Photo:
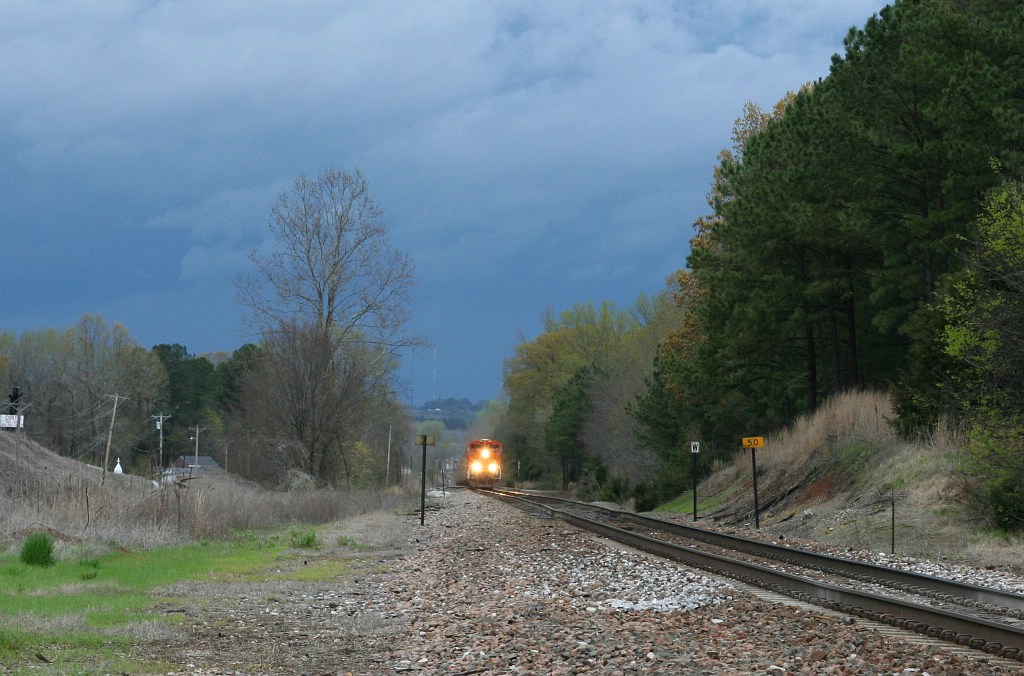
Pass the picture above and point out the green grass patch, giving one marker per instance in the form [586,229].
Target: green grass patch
[79,613]
[318,570]
[682,503]
[853,457]
[705,503]
[994,533]
[346,541]
[948,511]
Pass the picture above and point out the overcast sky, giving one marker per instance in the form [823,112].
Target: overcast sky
[526,155]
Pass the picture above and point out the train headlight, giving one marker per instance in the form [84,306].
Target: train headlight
[485,453]
[493,468]
[476,467]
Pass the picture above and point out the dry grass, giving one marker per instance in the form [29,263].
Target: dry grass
[86,510]
[856,420]
[853,418]
[838,475]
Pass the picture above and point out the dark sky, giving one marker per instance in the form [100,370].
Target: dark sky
[526,155]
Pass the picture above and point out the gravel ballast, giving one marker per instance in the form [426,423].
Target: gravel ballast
[494,590]
[485,588]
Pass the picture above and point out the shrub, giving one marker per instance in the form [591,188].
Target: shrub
[38,550]
[1006,499]
[307,540]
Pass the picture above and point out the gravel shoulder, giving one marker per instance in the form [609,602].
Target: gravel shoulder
[484,588]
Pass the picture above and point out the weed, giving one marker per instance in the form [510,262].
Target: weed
[38,550]
[307,540]
[92,567]
[345,541]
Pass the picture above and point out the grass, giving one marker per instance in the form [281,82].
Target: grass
[116,541]
[705,503]
[37,550]
[834,473]
[305,540]
[87,611]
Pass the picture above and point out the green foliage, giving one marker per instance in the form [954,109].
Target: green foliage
[838,228]
[1006,499]
[192,386]
[37,550]
[231,375]
[539,373]
[305,540]
[562,433]
[838,218]
[72,371]
[983,309]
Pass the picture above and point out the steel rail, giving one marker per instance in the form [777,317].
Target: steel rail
[954,591]
[975,632]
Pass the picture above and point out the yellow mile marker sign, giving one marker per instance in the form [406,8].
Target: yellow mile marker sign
[754,443]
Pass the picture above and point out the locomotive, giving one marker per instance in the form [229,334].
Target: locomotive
[481,466]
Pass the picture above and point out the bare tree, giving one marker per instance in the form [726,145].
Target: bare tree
[330,302]
[333,266]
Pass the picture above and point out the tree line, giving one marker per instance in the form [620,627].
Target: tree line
[860,235]
[313,402]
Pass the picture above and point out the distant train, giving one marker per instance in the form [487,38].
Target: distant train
[481,466]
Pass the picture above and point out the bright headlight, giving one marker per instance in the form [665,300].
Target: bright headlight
[485,453]
[493,468]
[477,466]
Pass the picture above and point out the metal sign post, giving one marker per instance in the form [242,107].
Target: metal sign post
[892,521]
[754,443]
[424,440]
[694,450]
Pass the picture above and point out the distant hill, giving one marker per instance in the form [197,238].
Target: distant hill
[456,414]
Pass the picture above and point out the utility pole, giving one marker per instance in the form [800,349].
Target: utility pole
[19,430]
[110,434]
[160,426]
[387,467]
[198,429]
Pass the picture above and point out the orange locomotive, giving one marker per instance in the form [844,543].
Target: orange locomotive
[482,464]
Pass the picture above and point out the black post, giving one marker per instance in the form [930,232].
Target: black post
[757,516]
[694,472]
[423,483]
[892,524]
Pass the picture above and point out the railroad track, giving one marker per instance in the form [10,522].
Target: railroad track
[969,615]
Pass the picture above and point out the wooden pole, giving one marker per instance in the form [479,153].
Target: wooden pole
[110,436]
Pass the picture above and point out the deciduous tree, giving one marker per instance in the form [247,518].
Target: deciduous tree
[330,301]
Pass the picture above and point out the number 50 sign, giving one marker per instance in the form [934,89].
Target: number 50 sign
[754,443]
